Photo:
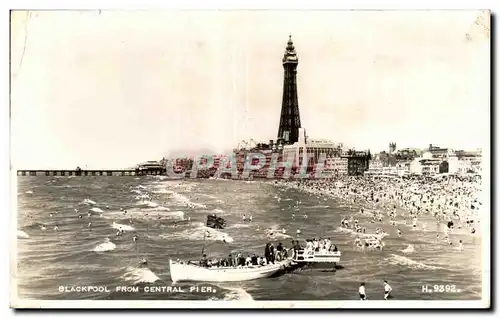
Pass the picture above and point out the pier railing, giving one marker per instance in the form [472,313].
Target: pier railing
[125,172]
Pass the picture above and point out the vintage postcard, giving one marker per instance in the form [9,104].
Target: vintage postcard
[250,159]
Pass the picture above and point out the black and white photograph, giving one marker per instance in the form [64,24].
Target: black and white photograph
[250,158]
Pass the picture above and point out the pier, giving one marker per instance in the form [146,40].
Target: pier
[85,173]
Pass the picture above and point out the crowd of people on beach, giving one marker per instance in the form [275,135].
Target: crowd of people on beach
[454,202]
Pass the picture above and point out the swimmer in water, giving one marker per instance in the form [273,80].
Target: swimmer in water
[357,242]
[399,233]
[135,238]
[298,231]
[89,214]
[90,224]
[118,233]
[460,245]
[50,214]
[283,231]
[79,216]
[56,228]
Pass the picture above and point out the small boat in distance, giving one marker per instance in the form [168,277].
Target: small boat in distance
[184,272]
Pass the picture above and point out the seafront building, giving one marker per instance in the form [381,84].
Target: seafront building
[435,160]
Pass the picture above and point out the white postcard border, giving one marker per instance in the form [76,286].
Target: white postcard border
[254,304]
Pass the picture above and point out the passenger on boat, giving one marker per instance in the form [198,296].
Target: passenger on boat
[316,245]
[328,244]
[248,260]
[296,245]
[272,253]
[267,252]
[241,260]
[230,261]
[262,261]
[279,252]
[255,260]
[309,249]
[204,261]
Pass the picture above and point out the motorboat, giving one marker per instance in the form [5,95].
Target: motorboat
[302,256]
[181,271]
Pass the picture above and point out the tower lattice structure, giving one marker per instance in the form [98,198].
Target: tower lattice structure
[288,132]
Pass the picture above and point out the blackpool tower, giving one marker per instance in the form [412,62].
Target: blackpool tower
[288,132]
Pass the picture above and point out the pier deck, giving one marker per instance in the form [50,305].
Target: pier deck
[123,172]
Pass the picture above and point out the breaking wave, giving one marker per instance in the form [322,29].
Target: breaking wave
[199,231]
[405,261]
[237,294]
[88,202]
[104,247]
[22,235]
[139,275]
[409,249]
[124,227]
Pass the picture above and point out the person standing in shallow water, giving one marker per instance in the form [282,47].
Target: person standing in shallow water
[362,293]
[387,290]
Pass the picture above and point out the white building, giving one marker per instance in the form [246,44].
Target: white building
[313,148]
[336,165]
[457,166]
[376,167]
[425,165]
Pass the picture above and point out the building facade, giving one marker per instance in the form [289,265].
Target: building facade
[425,165]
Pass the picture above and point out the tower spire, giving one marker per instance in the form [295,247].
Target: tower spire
[288,132]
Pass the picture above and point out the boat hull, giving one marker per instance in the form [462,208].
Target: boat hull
[183,272]
[333,257]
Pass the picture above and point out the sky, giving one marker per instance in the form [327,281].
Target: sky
[111,89]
